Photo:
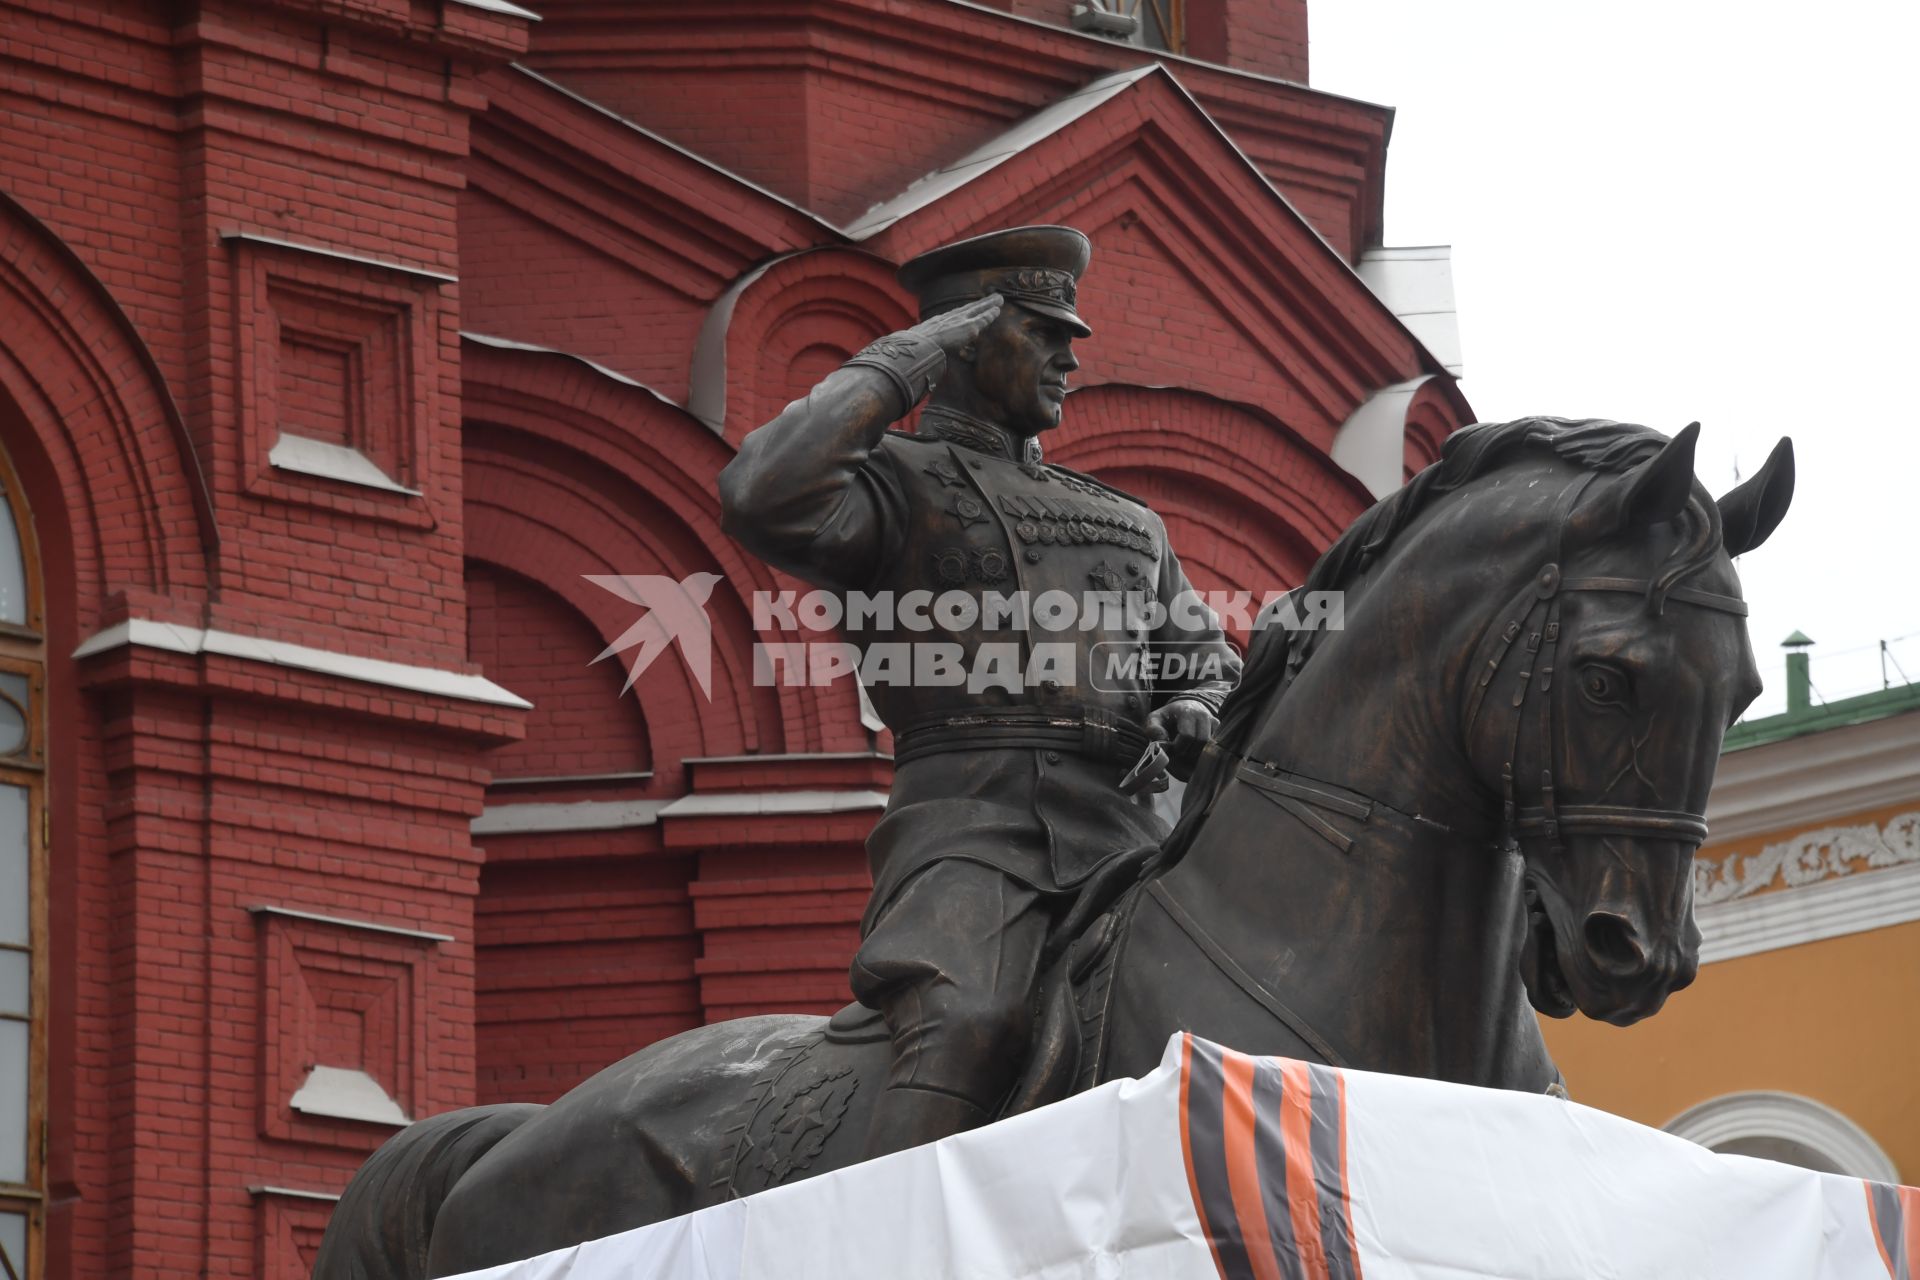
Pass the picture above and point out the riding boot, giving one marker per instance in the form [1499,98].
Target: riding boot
[907,1117]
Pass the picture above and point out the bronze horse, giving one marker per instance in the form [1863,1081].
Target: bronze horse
[1487,786]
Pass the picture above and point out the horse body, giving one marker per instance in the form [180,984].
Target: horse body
[1341,888]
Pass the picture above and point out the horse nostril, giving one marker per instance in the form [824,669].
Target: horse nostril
[1613,944]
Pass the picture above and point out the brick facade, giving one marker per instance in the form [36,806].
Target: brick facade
[339,341]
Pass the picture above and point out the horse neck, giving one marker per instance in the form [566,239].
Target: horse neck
[1355,719]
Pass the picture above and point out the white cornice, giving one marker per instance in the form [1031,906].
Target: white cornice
[340,255]
[501,7]
[268,911]
[292,1193]
[615,815]
[1789,917]
[579,815]
[1815,778]
[746,804]
[1809,857]
[174,638]
[530,348]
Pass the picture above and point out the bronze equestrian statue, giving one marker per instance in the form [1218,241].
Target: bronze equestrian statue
[1479,798]
[1004,798]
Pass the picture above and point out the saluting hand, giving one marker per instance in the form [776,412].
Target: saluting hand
[956,328]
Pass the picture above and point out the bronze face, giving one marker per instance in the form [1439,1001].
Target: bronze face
[1020,365]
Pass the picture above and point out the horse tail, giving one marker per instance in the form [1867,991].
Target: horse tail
[383,1225]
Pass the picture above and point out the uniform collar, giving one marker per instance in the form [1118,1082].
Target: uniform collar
[983,437]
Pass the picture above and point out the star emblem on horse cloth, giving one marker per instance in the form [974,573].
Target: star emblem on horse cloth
[806,1120]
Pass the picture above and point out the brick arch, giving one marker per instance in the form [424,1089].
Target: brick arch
[527,514]
[95,430]
[570,472]
[779,329]
[532,640]
[1437,410]
[1249,505]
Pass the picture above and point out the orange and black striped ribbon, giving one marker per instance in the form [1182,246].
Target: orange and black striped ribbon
[1896,1227]
[1266,1148]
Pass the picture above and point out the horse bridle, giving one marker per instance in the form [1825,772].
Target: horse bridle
[1300,795]
[1534,612]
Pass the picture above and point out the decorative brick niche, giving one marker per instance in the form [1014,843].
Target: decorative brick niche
[336,373]
[343,1030]
[291,1226]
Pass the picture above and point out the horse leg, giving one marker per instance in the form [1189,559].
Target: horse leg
[383,1225]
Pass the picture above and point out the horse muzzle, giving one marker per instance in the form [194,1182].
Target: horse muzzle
[1617,956]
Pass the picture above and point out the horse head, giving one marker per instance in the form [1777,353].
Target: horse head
[1597,706]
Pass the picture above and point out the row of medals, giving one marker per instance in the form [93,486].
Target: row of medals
[1062,521]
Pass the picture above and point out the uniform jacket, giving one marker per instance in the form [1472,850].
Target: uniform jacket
[827,493]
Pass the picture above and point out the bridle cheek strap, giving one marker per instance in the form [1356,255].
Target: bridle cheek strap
[1539,600]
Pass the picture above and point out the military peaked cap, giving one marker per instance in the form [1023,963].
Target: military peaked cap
[1037,267]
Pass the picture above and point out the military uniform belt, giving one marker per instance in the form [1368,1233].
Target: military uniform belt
[1083,731]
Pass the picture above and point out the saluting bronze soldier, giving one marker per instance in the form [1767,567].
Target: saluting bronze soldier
[1005,799]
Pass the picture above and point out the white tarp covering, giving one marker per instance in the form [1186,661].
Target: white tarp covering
[1218,1164]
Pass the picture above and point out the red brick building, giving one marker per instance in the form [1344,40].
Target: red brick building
[339,341]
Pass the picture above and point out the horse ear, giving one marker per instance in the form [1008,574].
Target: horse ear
[1654,491]
[1752,511]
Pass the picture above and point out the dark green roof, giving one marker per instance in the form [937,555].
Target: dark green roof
[1827,715]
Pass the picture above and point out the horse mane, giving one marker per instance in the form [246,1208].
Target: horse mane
[1276,654]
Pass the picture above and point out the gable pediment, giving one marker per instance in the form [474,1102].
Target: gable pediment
[853,98]
[1203,274]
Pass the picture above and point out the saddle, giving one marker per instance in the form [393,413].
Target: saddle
[1070,1000]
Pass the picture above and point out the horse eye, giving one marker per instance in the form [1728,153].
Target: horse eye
[1603,685]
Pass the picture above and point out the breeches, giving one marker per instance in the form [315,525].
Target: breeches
[952,962]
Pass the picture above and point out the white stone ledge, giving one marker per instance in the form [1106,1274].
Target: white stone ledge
[616,815]
[501,7]
[333,462]
[174,638]
[347,1093]
[760,803]
[579,815]
[342,922]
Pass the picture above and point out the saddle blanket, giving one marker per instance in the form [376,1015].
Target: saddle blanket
[1220,1164]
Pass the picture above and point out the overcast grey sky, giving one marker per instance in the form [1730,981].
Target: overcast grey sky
[1691,209]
